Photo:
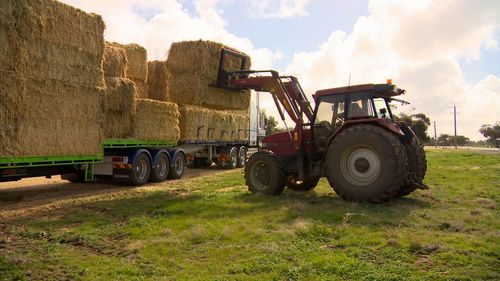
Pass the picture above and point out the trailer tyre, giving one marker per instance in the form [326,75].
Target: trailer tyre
[417,164]
[232,158]
[178,166]
[265,173]
[294,183]
[161,168]
[141,169]
[366,163]
[242,157]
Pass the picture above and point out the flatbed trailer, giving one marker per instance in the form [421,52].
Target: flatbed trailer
[129,161]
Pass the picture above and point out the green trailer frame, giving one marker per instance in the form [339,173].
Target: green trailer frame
[87,161]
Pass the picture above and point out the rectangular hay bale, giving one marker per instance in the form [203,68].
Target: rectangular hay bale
[120,95]
[42,123]
[141,88]
[194,66]
[157,80]
[137,57]
[115,61]
[156,121]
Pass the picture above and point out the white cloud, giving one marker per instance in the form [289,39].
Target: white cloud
[170,22]
[418,44]
[278,8]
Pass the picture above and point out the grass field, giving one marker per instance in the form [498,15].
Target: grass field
[214,229]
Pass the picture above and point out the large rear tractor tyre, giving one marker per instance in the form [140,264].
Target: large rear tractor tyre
[160,169]
[366,163]
[417,165]
[292,182]
[141,169]
[265,173]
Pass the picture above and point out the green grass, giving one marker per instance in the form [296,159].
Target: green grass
[214,229]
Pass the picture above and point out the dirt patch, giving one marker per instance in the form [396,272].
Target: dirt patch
[37,195]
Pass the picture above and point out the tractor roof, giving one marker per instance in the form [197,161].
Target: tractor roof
[381,90]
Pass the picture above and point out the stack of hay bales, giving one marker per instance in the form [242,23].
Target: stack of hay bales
[137,68]
[207,113]
[127,115]
[120,93]
[50,79]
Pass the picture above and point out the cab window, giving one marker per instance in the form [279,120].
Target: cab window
[381,108]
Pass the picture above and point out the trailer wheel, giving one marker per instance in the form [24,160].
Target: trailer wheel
[294,183]
[232,158]
[417,164]
[265,173]
[366,163]
[242,157]
[141,169]
[161,168]
[178,166]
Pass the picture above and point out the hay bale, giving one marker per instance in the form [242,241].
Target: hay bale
[137,58]
[42,123]
[115,61]
[199,124]
[141,87]
[49,81]
[156,121]
[50,36]
[194,67]
[120,95]
[157,80]
[118,125]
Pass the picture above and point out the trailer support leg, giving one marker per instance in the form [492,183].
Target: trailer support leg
[89,172]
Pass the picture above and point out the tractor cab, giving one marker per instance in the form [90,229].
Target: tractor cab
[337,108]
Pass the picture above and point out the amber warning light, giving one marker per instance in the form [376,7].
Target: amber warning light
[389,81]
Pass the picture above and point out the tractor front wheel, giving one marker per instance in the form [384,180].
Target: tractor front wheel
[417,164]
[366,163]
[264,173]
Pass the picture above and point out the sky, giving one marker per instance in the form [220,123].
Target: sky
[443,52]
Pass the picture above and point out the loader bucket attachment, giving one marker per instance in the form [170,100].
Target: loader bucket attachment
[223,74]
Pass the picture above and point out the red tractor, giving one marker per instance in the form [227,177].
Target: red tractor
[350,137]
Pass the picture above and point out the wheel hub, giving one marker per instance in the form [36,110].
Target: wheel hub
[362,165]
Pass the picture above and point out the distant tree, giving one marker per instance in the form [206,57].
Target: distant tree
[447,140]
[492,133]
[419,123]
[444,140]
[462,141]
[270,124]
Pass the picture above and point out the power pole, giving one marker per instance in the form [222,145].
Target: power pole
[435,135]
[455,123]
